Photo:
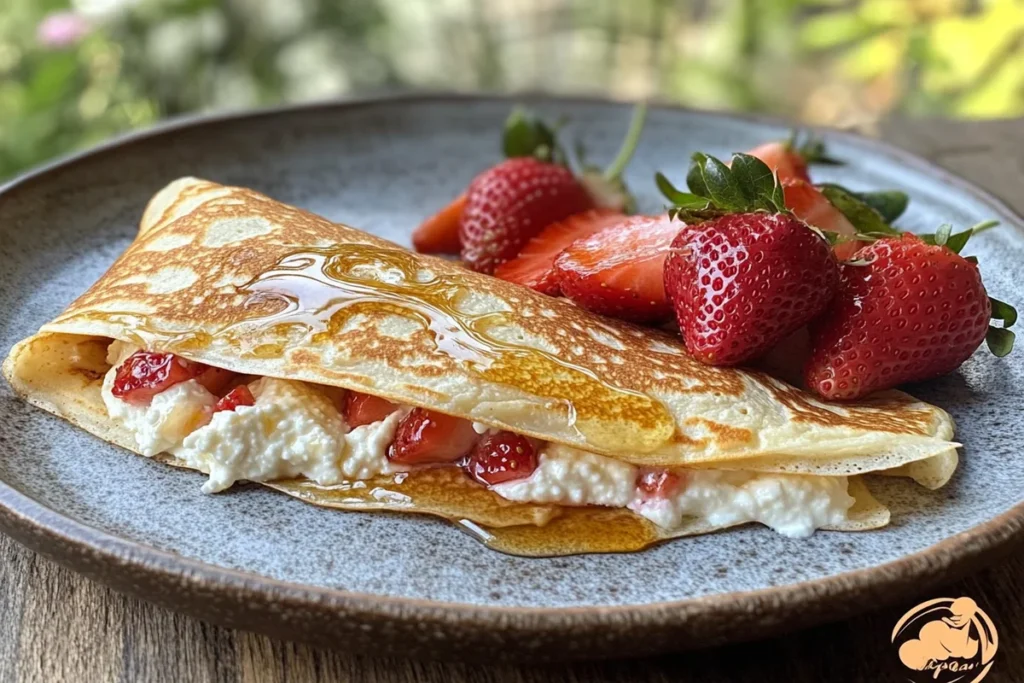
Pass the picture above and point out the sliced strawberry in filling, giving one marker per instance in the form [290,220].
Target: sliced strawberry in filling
[144,374]
[654,484]
[363,409]
[424,436]
[239,396]
[216,380]
[502,457]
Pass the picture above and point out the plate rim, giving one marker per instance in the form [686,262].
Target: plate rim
[105,556]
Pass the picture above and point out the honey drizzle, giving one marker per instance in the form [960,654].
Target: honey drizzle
[525,529]
[320,289]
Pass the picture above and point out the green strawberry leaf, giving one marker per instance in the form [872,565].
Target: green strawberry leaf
[889,204]
[941,236]
[1000,341]
[717,179]
[747,185]
[1003,311]
[528,136]
[860,214]
[958,241]
[681,200]
[757,183]
[944,236]
[695,175]
[813,151]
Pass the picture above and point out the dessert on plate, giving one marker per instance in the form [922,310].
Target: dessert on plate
[552,407]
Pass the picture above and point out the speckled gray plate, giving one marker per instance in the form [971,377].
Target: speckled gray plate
[378,582]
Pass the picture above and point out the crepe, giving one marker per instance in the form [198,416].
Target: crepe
[231,278]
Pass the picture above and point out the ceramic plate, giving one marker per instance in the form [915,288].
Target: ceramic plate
[389,583]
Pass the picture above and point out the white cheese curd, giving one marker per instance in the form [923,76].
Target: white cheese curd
[292,430]
[791,504]
[367,446]
[568,476]
[169,417]
[481,428]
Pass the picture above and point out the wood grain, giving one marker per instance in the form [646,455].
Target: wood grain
[56,626]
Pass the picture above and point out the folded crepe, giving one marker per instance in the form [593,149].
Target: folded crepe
[303,308]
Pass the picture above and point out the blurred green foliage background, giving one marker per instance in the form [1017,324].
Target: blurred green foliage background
[75,72]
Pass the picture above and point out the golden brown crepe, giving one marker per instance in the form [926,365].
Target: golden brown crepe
[231,278]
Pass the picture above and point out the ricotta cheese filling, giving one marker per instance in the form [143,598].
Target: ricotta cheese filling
[294,430]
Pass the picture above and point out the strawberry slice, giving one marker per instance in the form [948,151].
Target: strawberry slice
[781,157]
[502,457]
[658,484]
[619,271]
[535,265]
[424,436]
[144,374]
[239,396]
[215,380]
[363,409]
[439,234]
[812,207]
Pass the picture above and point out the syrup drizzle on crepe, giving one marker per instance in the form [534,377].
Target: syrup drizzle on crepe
[321,289]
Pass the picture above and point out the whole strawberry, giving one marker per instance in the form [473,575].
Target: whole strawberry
[906,311]
[743,282]
[744,272]
[508,204]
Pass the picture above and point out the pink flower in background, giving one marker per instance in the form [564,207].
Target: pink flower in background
[62,29]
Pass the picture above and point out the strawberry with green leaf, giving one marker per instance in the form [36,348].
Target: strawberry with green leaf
[744,272]
[511,202]
[908,308]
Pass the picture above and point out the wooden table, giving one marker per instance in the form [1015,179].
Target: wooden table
[56,626]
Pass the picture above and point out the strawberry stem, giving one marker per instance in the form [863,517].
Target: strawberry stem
[629,143]
[983,226]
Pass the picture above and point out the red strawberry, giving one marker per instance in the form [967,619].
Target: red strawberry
[812,207]
[742,282]
[508,204]
[424,436]
[784,159]
[363,409]
[144,374]
[439,234]
[913,311]
[239,396]
[535,265]
[619,271]
[502,457]
[216,380]
[658,483]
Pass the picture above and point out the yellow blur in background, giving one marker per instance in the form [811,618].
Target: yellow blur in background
[74,73]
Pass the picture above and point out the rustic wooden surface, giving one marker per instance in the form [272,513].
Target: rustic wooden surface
[56,626]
